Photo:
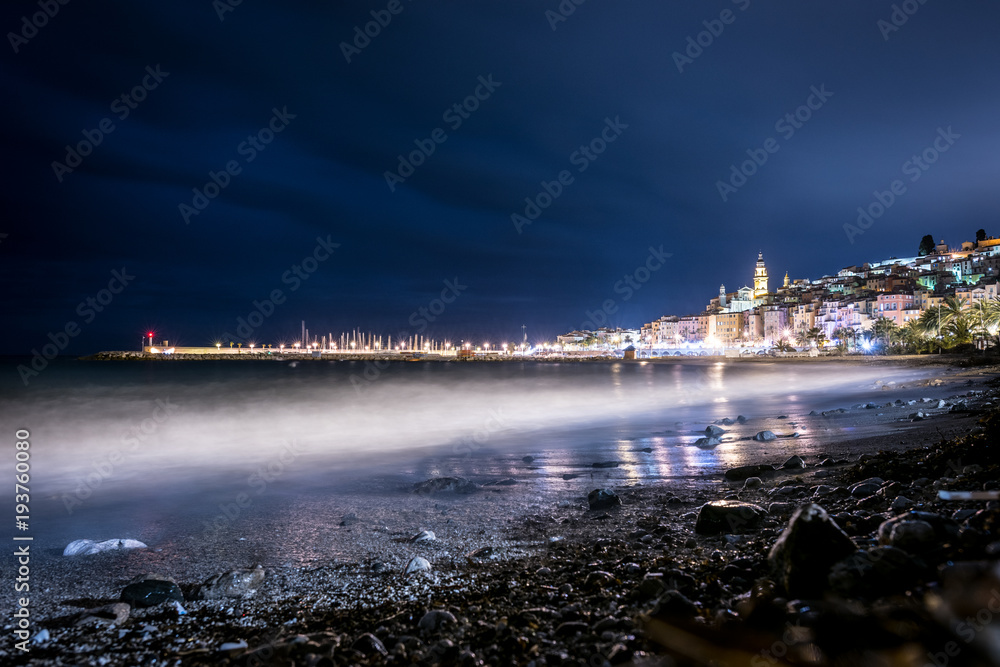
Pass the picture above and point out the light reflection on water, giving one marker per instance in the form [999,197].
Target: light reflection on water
[414,420]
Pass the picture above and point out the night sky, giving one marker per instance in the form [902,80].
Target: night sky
[215,80]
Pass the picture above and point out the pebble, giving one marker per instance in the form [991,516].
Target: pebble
[90,547]
[457,485]
[417,564]
[151,592]
[728,516]
[793,462]
[424,536]
[742,472]
[600,499]
[435,619]
[232,584]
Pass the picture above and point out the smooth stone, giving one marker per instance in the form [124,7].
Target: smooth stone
[90,547]
[900,504]
[435,619]
[151,592]
[713,431]
[793,463]
[741,419]
[740,473]
[424,536]
[918,539]
[674,603]
[913,537]
[417,564]
[765,436]
[727,516]
[232,584]
[807,549]
[706,443]
[598,579]
[601,499]
[368,645]
[752,483]
[458,485]
[874,573]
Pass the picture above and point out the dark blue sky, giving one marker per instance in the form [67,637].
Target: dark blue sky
[343,124]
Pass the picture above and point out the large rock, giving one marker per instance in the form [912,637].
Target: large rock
[742,472]
[765,436]
[713,431]
[728,516]
[707,443]
[233,584]
[918,532]
[602,499]
[151,592]
[90,547]
[807,549]
[445,485]
[874,573]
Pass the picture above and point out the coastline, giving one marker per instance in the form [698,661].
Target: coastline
[559,582]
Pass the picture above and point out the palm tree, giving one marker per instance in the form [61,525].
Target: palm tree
[844,337]
[783,346]
[883,329]
[818,336]
[958,331]
[992,318]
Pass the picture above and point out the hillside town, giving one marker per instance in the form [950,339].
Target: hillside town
[942,298]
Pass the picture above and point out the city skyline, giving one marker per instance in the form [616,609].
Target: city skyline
[360,160]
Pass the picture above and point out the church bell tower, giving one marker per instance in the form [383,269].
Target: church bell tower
[760,278]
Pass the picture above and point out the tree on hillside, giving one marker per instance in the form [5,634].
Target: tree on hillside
[980,236]
[926,246]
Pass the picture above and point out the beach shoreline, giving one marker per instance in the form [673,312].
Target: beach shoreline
[326,606]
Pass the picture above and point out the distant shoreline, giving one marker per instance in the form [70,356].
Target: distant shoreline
[867,360]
